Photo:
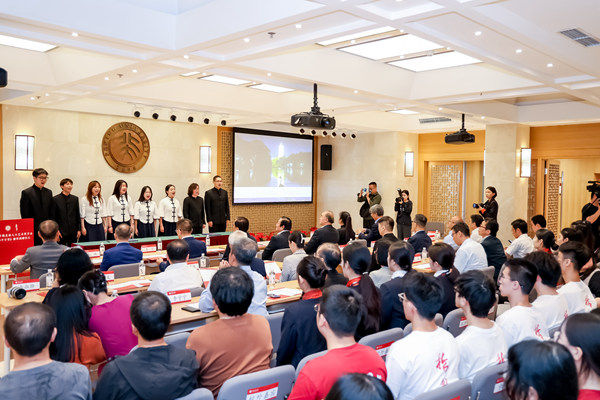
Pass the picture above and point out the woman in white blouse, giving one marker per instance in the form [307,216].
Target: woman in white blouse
[119,208]
[145,214]
[93,214]
[169,212]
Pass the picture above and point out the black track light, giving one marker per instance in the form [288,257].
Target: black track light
[206,121]
[136,114]
[324,133]
[302,130]
[155,116]
[333,134]
[223,122]
[173,117]
[343,134]
[190,119]
[353,136]
[313,132]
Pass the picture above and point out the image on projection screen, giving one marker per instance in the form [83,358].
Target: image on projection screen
[272,169]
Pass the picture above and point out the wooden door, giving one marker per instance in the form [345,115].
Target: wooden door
[444,190]
[552,195]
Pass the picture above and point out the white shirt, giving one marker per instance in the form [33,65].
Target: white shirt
[381,276]
[579,297]
[554,309]
[450,240]
[479,348]
[120,208]
[176,277]
[420,362]
[476,236]
[470,255]
[145,211]
[399,274]
[169,209]
[92,214]
[521,323]
[520,247]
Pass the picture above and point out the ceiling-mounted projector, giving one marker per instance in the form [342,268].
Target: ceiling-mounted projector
[314,118]
[460,137]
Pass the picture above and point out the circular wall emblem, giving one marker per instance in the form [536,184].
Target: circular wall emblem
[125,147]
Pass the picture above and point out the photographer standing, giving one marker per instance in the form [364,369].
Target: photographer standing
[489,209]
[591,213]
[368,200]
[403,207]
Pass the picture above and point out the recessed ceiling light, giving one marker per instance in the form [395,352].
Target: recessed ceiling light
[353,41]
[134,71]
[482,117]
[247,39]
[518,51]
[74,34]
[436,61]
[32,98]
[401,30]
[25,44]
[477,33]
[46,94]
[106,78]
[268,74]
[191,73]
[186,56]
[440,108]
[298,26]
[391,47]
[355,91]
[204,74]
[358,35]
[271,88]
[549,65]
[225,79]
[403,112]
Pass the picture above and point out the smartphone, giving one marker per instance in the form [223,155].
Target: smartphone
[274,296]
[190,309]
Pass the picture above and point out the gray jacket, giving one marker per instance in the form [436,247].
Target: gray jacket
[39,259]
[290,263]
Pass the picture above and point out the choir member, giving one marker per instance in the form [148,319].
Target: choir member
[169,212]
[217,206]
[66,213]
[145,214]
[36,202]
[119,208]
[92,211]
[193,208]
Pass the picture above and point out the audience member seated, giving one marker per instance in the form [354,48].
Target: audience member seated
[299,334]
[338,316]
[470,255]
[29,329]
[372,234]
[538,222]
[474,224]
[383,274]
[179,274]
[256,264]
[243,250]
[355,263]
[420,239]
[326,234]
[154,369]
[569,235]
[494,251]
[39,259]
[71,266]
[442,261]
[123,252]
[482,343]
[521,321]
[109,316]
[579,334]
[280,239]
[544,241]
[184,231]
[540,370]
[346,233]
[331,255]
[522,245]
[240,224]
[428,357]
[449,225]
[571,257]
[290,263]
[74,341]
[238,342]
[550,304]
[386,231]
[400,261]
[359,386]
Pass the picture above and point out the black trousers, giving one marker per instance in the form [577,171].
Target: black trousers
[145,230]
[403,231]
[170,229]
[217,227]
[368,223]
[95,233]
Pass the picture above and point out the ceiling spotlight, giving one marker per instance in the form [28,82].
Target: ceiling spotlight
[190,119]
[206,121]
[549,65]
[477,33]
[136,114]
[343,134]
[155,116]
[74,34]
[134,71]
[313,132]
[247,40]
[518,51]
[333,134]
[268,74]
[46,94]
[353,136]
[324,133]
[302,130]
[298,26]
[173,117]
[401,30]
[353,41]
[355,91]
[186,56]
[32,98]
[106,78]
[482,117]
[440,108]
[223,122]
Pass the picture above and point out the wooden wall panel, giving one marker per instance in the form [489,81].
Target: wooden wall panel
[565,141]
[474,193]
[574,196]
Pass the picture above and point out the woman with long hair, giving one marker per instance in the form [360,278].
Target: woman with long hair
[145,214]
[544,241]
[489,209]
[71,265]
[290,263]
[119,208]
[93,214]
[346,232]
[193,208]
[403,207]
[169,212]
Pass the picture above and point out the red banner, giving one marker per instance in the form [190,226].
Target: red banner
[16,236]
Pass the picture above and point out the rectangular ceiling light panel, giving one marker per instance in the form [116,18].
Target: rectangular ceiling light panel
[271,88]
[436,61]
[391,47]
[357,35]
[225,79]
[25,44]
[404,112]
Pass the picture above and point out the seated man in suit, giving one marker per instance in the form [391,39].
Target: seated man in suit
[39,259]
[280,240]
[372,235]
[184,231]
[419,239]
[123,252]
[240,224]
[386,231]
[326,234]
[178,275]
[494,250]
[400,260]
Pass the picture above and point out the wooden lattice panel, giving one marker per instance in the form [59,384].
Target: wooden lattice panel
[552,210]
[531,188]
[444,191]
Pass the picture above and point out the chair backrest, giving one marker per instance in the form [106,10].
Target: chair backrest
[259,255]
[275,325]
[488,384]
[459,390]
[126,270]
[552,331]
[494,310]
[198,394]
[306,359]
[489,271]
[382,341]
[435,226]
[361,241]
[439,321]
[274,383]
[178,339]
[196,291]
[455,322]
[280,254]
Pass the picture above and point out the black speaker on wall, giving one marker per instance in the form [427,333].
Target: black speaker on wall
[3,77]
[326,156]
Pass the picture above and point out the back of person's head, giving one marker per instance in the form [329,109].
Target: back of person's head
[123,231]
[462,228]
[357,256]
[522,271]
[403,254]
[235,236]
[581,331]
[547,238]
[443,254]
[242,224]
[420,220]
[328,216]
[376,209]
[547,267]
[342,308]
[492,226]
[388,223]
[28,328]
[312,270]
[577,252]
[93,282]
[150,314]
[382,251]
[331,254]
[185,225]
[572,234]
[296,238]
[71,265]
[48,229]
[286,223]
[425,293]
[478,290]
[345,216]
[519,224]
[546,367]
[539,220]
[359,386]
[178,250]
[477,219]
[232,290]
[587,232]
[244,250]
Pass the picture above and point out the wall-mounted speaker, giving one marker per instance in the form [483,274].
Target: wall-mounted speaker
[3,77]
[326,157]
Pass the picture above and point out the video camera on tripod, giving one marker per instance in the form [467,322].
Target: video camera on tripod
[594,188]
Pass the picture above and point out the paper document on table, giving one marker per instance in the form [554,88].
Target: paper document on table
[136,283]
[286,292]
[271,267]
[422,266]
[207,273]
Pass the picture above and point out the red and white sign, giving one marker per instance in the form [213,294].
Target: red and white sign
[264,392]
[194,264]
[110,275]
[93,253]
[16,236]
[147,248]
[499,386]
[382,349]
[463,322]
[29,285]
[19,275]
[417,258]
[179,296]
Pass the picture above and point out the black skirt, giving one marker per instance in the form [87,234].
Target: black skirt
[114,224]
[95,233]
[170,228]
[145,230]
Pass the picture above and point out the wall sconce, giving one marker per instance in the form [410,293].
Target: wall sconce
[409,163]
[24,152]
[525,162]
[205,159]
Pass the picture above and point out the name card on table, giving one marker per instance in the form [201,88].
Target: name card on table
[382,349]
[263,393]
[93,253]
[29,285]
[109,275]
[147,248]
[179,296]
[417,258]
[24,275]
[499,386]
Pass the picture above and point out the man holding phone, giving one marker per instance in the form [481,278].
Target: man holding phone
[368,198]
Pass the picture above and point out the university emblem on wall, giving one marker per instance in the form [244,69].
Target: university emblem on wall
[125,147]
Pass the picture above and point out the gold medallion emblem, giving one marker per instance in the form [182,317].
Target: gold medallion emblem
[125,147]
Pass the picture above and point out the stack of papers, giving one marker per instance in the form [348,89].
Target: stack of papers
[285,292]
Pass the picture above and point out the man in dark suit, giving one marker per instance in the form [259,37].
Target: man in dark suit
[400,260]
[36,202]
[442,262]
[492,245]
[386,230]
[123,252]
[419,239]
[184,231]
[240,224]
[372,235]
[280,239]
[66,213]
[327,233]
[217,206]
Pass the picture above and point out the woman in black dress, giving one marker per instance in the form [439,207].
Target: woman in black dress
[193,208]
[489,209]
[346,232]
[403,207]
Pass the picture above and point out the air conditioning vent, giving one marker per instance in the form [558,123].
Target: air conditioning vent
[434,120]
[580,37]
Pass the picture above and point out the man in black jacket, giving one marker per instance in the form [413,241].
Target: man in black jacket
[327,233]
[369,200]
[36,202]
[280,239]
[216,202]
[419,239]
[400,260]
[492,245]
[66,212]
[386,231]
[372,234]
